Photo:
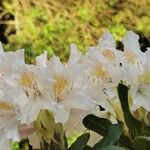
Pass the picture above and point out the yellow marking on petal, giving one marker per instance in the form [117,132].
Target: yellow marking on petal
[26,80]
[108,54]
[59,87]
[6,106]
[130,56]
[145,77]
[99,71]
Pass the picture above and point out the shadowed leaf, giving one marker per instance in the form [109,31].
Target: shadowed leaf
[134,125]
[96,124]
[141,143]
[112,136]
[81,142]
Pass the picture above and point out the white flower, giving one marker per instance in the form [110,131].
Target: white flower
[127,65]
[72,89]
[5,143]
[68,89]
[134,57]
[41,61]
[74,124]
[107,47]
[133,61]
[132,51]
[76,57]
[8,123]
[29,90]
[99,79]
[1,49]
[10,62]
[142,95]
[114,57]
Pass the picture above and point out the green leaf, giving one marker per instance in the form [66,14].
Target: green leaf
[24,144]
[111,147]
[15,145]
[113,134]
[141,143]
[87,147]
[52,134]
[45,124]
[125,141]
[59,139]
[96,124]
[81,142]
[145,128]
[134,125]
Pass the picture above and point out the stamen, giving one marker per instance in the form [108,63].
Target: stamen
[31,87]
[36,90]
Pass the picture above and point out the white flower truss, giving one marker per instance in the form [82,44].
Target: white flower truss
[79,87]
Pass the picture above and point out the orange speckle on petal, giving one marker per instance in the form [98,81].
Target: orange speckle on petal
[130,56]
[108,54]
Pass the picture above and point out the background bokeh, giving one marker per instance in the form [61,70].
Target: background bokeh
[52,25]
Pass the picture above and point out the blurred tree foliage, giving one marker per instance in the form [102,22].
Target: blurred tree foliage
[53,25]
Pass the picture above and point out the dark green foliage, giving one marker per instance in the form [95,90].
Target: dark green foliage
[113,134]
[134,125]
[80,143]
[99,125]
[52,135]
[141,143]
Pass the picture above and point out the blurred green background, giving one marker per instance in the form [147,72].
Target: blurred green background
[52,25]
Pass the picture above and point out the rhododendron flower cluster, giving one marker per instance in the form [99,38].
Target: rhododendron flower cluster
[86,83]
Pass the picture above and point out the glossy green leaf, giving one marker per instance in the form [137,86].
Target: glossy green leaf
[125,141]
[141,143]
[59,139]
[134,125]
[96,124]
[87,147]
[113,134]
[51,133]
[24,144]
[145,128]
[81,142]
[111,147]
[44,125]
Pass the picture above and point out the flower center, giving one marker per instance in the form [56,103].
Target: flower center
[26,80]
[31,87]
